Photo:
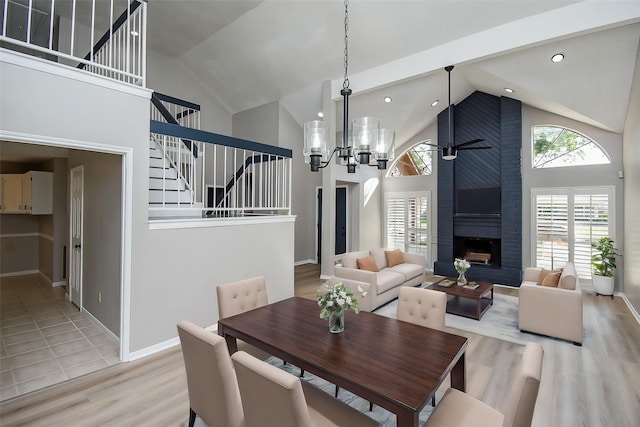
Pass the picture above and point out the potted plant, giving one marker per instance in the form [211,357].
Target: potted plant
[604,262]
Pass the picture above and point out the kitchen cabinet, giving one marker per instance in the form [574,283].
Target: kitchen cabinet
[29,193]
[11,201]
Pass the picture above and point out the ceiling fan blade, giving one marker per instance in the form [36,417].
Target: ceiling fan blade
[473,141]
[473,148]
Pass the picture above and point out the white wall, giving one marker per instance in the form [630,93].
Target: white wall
[631,147]
[166,75]
[574,176]
[173,272]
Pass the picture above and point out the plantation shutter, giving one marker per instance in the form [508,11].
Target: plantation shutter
[552,234]
[407,222]
[565,224]
[591,223]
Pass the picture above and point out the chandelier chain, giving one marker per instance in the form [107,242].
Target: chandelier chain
[345,84]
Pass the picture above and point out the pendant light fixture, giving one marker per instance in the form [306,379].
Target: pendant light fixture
[369,140]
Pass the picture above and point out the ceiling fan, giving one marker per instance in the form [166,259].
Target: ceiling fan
[450,151]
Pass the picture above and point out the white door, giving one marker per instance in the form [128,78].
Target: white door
[75,259]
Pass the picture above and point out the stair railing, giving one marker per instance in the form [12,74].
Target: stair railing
[239,177]
[66,30]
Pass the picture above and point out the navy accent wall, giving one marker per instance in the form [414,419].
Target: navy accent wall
[499,122]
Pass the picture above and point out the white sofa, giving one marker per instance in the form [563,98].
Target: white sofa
[552,311]
[381,286]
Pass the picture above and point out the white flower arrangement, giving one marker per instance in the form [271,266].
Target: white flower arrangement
[337,297]
[461,265]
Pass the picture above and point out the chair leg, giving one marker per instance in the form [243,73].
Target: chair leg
[370,406]
[433,401]
[337,389]
[301,373]
[192,417]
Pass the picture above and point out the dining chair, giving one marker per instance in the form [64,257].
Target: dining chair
[239,297]
[519,409]
[423,307]
[272,397]
[214,395]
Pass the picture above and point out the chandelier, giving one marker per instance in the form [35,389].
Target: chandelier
[373,146]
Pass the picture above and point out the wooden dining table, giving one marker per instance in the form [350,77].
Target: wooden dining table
[394,364]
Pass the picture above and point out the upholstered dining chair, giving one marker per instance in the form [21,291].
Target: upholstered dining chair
[238,297]
[520,406]
[424,307]
[272,397]
[211,380]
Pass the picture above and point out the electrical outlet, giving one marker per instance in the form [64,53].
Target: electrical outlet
[99,296]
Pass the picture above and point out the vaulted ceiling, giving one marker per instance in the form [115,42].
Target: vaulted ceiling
[248,53]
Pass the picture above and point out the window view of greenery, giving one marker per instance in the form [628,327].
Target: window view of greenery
[558,147]
[416,161]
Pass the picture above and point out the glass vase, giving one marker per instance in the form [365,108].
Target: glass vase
[462,280]
[336,321]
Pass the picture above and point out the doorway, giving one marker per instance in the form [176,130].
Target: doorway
[76,214]
[341,229]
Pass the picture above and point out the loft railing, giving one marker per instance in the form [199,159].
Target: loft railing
[168,109]
[65,30]
[237,177]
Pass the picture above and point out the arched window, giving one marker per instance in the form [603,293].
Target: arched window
[558,147]
[415,161]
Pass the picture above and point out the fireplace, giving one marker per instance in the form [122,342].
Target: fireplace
[477,250]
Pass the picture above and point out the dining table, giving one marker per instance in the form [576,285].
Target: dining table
[391,363]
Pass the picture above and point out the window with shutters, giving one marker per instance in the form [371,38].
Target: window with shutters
[408,221]
[566,221]
[416,160]
[558,147]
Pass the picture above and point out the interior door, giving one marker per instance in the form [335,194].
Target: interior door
[75,259]
[341,220]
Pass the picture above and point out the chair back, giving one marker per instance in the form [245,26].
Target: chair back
[244,295]
[524,390]
[424,307]
[271,397]
[211,380]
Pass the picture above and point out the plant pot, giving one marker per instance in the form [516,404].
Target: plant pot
[603,285]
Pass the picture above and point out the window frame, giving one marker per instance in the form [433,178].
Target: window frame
[564,128]
[405,152]
[406,196]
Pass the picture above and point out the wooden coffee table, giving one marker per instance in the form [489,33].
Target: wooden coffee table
[465,302]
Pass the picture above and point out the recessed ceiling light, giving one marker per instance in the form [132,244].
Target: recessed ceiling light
[508,89]
[320,114]
[387,99]
[434,103]
[557,57]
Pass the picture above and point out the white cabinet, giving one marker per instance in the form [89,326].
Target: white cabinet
[29,193]
[11,201]
[37,192]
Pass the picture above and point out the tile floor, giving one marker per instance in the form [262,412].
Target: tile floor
[45,339]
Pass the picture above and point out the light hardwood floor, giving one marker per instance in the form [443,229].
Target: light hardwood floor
[597,384]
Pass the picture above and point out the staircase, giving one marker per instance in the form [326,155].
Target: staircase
[169,194]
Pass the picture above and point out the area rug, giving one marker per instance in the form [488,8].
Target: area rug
[499,321]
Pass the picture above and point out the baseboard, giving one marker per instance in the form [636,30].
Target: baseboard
[165,345]
[103,328]
[325,276]
[19,273]
[46,278]
[60,283]
[305,261]
[632,309]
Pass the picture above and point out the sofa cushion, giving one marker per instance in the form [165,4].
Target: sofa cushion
[394,257]
[388,279]
[379,256]
[367,263]
[552,279]
[409,271]
[348,260]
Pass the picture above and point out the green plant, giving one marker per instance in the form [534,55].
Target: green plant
[605,260]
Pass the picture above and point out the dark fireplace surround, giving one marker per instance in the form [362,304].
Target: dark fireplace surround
[480,192]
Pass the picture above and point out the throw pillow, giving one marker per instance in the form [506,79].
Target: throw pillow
[544,273]
[367,263]
[552,279]
[394,257]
